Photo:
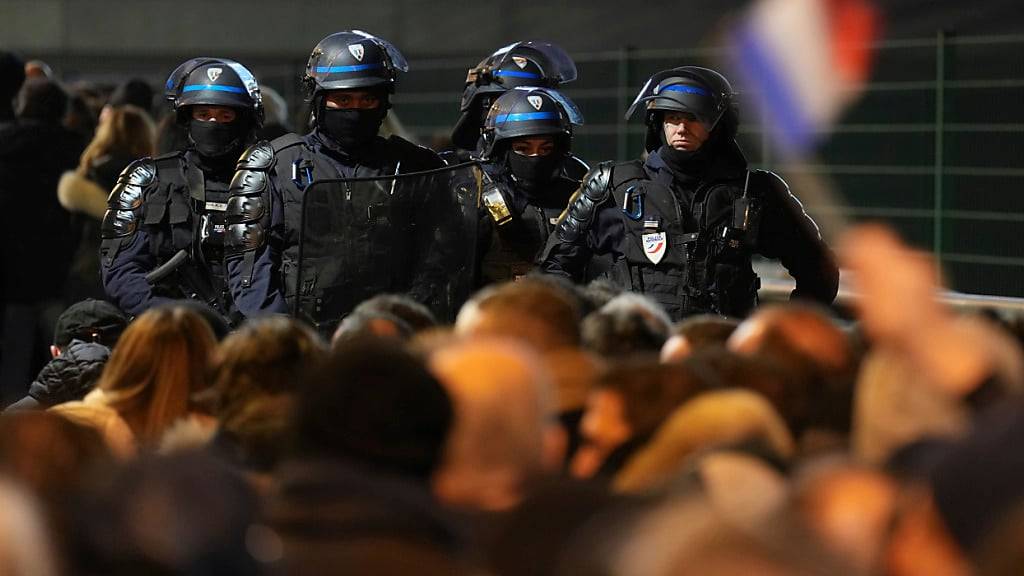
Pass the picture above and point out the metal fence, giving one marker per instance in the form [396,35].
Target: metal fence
[934,147]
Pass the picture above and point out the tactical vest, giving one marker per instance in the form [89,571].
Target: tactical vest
[688,271]
[185,212]
[513,248]
[376,253]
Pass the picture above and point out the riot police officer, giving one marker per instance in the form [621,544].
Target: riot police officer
[350,77]
[520,64]
[526,145]
[163,233]
[681,226]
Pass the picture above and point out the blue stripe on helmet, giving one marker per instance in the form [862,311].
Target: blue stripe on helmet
[516,74]
[687,89]
[352,68]
[214,87]
[527,116]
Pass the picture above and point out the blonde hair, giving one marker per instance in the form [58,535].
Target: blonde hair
[162,358]
[125,130]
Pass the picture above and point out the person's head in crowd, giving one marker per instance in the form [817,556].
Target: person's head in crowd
[708,420]
[505,435]
[25,546]
[50,456]
[795,328]
[628,324]
[376,406]
[162,359]
[573,374]
[413,313]
[89,321]
[599,292]
[125,131]
[42,100]
[746,484]
[849,508]
[82,340]
[37,69]
[782,381]
[625,408]
[812,347]
[80,118]
[186,514]
[697,333]
[133,92]
[256,371]
[537,313]
[12,76]
[371,324]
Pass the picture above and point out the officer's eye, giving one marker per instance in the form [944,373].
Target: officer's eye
[370,101]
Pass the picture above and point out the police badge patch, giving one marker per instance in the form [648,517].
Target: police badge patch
[655,244]
[357,51]
[213,73]
[535,101]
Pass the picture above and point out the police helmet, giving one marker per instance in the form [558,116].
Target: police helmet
[529,63]
[699,91]
[215,82]
[527,111]
[352,59]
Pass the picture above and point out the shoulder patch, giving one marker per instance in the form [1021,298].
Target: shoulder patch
[259,156]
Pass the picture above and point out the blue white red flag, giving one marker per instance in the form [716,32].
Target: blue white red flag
[804,62]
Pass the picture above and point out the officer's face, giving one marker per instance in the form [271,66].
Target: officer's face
[218,114]
[683,131]
[534,146]
[351,100]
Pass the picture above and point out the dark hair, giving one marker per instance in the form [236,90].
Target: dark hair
[706,330]
[416,315]
[375,405]
[628,324]
[42,99]
[650,391]
[135,92]
[12,76]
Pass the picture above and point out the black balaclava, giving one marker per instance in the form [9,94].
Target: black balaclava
[532,173]
[351,129]
[217,140]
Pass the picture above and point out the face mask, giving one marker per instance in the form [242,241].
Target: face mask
[533,172]
[351,129]
[215,139]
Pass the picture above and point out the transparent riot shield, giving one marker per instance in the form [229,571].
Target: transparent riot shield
[409,234]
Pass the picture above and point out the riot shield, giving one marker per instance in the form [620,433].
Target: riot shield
[409,233]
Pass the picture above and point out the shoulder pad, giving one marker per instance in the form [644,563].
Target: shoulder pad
[141,172]
[119,223]
[593,192]
[596,184]
[770,179]
[259,156]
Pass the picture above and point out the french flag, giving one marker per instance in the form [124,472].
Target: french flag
[804,62]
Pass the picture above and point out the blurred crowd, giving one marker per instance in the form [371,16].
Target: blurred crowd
[552,429]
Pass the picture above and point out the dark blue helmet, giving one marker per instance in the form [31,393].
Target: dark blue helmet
[214,81]
[699,91]
[529,63]
[526,111]
[352,59]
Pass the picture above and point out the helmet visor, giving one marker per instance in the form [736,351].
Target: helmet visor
[562,68]
[398,61]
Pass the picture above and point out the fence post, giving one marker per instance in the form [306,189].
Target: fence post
[940,117]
